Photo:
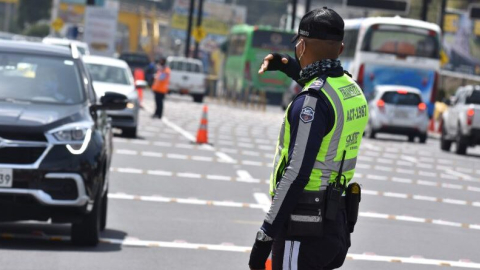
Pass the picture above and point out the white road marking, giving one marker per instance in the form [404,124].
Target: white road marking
[461,175]
[229,247]
[409,158]
[402,180]
[162,173]
[244,176]
[225,158]
[200,158]
[189,175]
[177,156]
[219,177]
[427,183]
[152,154]
[252,163]
[263,199]
[165,144]
[129,170]
[126,152]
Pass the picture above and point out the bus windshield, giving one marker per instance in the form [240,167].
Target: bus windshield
[402,41]
[270,40]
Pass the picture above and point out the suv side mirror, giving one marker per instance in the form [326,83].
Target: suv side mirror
[141,84]
[112,101]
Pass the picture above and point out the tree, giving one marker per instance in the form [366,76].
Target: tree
[32,11]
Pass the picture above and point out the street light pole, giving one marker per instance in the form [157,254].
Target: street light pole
[307,5]
[199,23]
[425,4]
[442,13]
[294,13]
[189,28]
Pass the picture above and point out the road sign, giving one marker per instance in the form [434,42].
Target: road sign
[57,24]
[199,33]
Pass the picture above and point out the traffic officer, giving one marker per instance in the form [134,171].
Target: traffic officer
[160,86]
[306,226]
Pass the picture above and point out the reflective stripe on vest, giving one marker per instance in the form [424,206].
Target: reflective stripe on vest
[351,116]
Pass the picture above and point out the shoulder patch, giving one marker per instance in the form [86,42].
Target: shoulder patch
[317,85]
[307,114]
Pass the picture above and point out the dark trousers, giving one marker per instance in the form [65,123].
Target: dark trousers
[313,253]
[159,101]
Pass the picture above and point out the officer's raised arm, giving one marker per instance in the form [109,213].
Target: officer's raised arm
[282,62]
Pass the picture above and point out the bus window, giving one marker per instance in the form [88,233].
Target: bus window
[237,44]
[350,40]
[273,41]
[402,41]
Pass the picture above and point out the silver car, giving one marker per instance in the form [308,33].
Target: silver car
[114,75]
[397,109]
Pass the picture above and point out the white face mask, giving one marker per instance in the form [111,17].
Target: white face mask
[299,58]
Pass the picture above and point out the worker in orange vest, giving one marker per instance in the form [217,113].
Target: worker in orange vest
[160,86]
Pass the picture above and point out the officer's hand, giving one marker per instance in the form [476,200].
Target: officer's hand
[260,252]
[273,62]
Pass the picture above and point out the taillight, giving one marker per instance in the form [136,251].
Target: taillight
[422,107]
[248,75]
[402,92]
[470,114]
[381,105]
[361,73]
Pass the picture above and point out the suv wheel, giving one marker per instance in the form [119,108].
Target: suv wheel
[87,232]
[445,144]
[198,98]
[461,144]
[369,132]
[130,132]
[423,138]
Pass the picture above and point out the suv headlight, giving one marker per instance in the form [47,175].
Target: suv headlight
[76,136]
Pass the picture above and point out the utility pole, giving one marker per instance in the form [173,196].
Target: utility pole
[189,28]
[425,9]
[308,5]
[442,13]
[54,15]
[199,24]
[294,13]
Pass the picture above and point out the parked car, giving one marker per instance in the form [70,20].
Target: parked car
[82,47]
[290,94]
[187,77]
[397,109]
[461,122]
[55,140]
[114,75]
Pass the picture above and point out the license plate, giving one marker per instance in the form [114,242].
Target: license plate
[184,91]
[6,178]
[402,114]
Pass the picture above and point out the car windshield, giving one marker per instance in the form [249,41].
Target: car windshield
[474,98]
[136,60]
[108,74]
[39,79]
[396,98]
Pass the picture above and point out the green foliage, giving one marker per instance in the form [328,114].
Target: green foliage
[32,11]
[37,30]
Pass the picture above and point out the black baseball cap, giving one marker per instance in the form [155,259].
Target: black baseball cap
[321,23]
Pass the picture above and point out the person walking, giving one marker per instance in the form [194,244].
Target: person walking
[160,86]
[314,210]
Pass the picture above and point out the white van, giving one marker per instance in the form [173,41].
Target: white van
[187,77]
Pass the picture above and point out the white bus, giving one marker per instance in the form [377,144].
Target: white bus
[393,51]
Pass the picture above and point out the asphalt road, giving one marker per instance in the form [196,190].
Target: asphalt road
[177,205]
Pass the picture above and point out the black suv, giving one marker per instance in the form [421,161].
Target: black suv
[55,140]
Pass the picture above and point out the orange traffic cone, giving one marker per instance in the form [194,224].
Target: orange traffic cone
[202,134]
[269,264]
[431,126]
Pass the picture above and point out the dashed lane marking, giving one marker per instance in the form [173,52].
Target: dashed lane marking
[264,200]
[160,199]
[420,197]
[230,247]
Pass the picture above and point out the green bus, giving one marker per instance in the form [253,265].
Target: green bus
[247,46]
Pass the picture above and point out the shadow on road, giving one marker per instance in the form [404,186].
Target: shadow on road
[34,236]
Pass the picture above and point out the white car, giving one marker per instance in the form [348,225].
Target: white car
[114,75]
[461,122]
[187,77]
[397,109]
[81,46]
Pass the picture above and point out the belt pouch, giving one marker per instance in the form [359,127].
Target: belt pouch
[354,196]
[307,218]
[334,195]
